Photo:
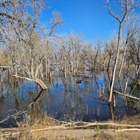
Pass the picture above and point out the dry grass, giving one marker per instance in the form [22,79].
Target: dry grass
[46,128]
[84,134]
[43,122]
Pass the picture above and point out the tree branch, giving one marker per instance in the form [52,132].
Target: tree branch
[38,81]
[127,95]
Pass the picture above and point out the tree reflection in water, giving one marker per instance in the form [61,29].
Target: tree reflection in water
[67,99]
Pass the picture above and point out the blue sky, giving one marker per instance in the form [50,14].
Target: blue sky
[87,17]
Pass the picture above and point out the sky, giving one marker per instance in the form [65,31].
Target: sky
[87,17]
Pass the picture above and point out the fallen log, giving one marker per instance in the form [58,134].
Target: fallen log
[5,67]
[127,95]
[70,126]
[37,81]
[76,125]
[126,130]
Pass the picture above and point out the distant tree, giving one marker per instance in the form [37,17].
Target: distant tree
[131,31]
[57,20]
[133,53]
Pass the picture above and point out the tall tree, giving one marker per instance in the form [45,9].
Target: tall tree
[123,13]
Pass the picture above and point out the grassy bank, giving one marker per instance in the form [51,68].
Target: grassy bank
[51,129]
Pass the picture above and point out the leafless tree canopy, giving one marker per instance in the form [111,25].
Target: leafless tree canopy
[17,17]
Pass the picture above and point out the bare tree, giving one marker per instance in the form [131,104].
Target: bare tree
[109,52]
[29,54]
[124,10]
[57,20]
[97,50]
[16,19]
[17,27]
[131,30]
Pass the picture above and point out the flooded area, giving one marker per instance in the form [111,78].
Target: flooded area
[68,99]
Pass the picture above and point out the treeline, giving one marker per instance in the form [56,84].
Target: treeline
[38,57]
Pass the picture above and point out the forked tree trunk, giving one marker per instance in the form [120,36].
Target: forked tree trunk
[125,10]
[116,63]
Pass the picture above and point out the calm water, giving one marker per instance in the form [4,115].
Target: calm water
[67,99]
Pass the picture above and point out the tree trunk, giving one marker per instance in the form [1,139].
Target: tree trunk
[116,63]
[36,80]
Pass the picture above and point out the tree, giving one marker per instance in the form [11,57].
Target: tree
[28,54]
[17,17]
[57,20]
[124,11]
[18,22]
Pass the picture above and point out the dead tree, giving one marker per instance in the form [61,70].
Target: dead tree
[124,10]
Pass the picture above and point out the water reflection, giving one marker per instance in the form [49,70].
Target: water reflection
[71,98]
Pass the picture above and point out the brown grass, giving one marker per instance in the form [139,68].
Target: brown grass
[47,128]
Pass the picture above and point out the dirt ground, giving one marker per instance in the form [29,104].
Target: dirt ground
[80,134]
[87,134]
